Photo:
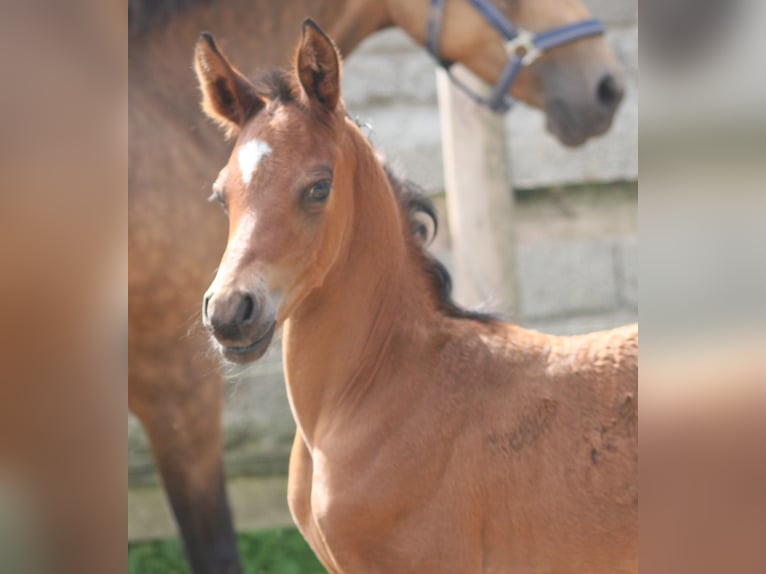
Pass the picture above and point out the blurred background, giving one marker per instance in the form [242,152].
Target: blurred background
[63,220]
[575,224]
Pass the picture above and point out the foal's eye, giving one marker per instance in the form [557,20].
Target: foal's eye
[319,192]
[217,197]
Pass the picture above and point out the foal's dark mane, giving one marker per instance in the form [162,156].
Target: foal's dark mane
[414,204]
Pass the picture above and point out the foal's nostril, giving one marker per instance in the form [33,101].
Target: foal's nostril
[246,309]
[609,91]
[229,315]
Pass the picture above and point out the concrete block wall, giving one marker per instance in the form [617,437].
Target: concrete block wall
[570,287]
[552,284]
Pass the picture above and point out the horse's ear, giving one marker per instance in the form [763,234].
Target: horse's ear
[318,66]
[228,97]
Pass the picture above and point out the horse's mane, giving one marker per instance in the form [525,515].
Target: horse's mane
[415,204]
[277,84]
[144,14]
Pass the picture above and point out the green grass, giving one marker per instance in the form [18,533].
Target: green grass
[266,552]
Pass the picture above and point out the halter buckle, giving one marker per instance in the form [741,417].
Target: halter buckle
[523,46]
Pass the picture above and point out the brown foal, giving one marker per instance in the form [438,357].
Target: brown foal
[430,439]
[175,237]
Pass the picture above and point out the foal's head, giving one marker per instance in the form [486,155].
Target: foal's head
[284,181]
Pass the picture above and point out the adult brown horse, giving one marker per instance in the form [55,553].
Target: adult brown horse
[175,387]
[430,439]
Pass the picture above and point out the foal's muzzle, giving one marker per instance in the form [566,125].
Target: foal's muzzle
[241,322]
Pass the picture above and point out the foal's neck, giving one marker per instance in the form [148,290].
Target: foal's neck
[336,342]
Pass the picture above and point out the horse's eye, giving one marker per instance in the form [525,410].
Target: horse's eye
[319,192]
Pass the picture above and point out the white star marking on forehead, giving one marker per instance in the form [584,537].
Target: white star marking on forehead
[250,155]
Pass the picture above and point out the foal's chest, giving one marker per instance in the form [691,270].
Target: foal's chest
[378,518]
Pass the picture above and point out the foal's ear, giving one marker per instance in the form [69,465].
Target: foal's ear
[228,97]
[318,66]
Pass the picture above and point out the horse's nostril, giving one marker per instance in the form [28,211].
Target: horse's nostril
[609,91]
[246,311]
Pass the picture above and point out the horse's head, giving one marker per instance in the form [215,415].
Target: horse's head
[279,188]
[579,85]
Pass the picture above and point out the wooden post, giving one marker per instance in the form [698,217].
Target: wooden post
[479,197]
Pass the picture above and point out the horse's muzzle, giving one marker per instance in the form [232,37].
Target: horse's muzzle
[241,322]
[252,352]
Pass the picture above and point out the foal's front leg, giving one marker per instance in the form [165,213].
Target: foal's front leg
[299,500]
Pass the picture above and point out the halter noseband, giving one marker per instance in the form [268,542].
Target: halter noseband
[522,47]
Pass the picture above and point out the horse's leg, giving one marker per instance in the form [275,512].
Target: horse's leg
[184,427]
[175,241]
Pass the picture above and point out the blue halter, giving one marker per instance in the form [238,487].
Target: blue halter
[522,46]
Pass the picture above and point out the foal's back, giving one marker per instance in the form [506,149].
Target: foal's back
[553,450]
